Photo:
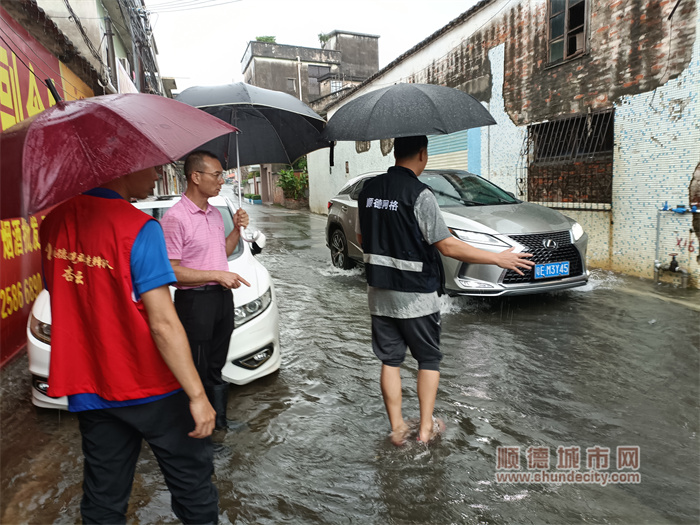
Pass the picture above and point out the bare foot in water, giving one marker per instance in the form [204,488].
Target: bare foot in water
[438,428]
[398,436]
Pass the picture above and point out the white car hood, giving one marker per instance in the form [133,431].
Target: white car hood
[248,267]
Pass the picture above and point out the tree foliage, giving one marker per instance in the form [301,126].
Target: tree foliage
[292,184]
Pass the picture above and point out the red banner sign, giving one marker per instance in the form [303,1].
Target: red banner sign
[24,64]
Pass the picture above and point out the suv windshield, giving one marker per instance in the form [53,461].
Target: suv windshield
[465,189]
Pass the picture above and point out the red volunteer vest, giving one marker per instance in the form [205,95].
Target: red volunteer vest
[100,340]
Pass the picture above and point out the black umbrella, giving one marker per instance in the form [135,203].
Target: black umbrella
[275,126]
[405,110]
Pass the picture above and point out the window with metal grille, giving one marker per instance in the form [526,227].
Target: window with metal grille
[567,29]
[570,162]
[318,71]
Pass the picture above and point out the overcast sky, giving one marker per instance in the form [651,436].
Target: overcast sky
[201,42]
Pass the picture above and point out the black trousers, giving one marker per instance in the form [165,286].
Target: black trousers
[208,318]
[112,440]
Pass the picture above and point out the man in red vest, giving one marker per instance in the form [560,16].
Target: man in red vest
[121,355]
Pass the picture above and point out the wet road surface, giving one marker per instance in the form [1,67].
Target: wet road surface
[615,363]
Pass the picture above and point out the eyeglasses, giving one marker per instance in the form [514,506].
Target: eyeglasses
[217,174]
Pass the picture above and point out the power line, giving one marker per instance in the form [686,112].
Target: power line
[56,74]
[179,3]
[87,40]
[181,7]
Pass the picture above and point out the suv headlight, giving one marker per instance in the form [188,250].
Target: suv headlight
[576,231]
[42,331]
[477,238]
[251,310]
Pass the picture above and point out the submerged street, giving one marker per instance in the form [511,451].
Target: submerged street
[613,364]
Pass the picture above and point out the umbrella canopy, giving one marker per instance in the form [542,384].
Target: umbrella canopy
[406,110]
[77,145]
[275,126]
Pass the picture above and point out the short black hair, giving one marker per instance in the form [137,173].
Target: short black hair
[194,161]
[406,147]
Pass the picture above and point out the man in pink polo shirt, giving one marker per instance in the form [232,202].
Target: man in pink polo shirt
[198,250]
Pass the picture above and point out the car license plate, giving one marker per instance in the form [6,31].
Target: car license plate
[557,269]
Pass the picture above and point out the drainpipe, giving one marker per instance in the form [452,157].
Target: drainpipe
[111,56]
[299,74]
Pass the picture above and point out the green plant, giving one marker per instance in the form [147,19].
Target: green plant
[293,185]
[300,164]
[268,39]
[323,38]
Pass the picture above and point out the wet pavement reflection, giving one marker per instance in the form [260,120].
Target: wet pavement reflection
[615,363]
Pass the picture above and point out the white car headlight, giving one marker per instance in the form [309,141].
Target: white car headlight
[477,238]
[248,311]
[42,331]
[576,231]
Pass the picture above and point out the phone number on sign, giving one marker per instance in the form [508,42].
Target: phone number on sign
[15,296]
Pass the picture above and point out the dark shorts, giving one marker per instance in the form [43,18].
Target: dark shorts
[391,337]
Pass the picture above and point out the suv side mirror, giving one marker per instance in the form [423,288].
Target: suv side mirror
[257,246]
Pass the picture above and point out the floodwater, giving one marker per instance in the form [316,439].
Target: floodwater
[613,364]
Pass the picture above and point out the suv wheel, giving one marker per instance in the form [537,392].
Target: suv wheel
[339,250]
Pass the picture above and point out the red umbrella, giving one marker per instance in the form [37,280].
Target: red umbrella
[77,145]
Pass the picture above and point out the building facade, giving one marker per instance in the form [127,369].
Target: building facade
[596,104]
[345,60]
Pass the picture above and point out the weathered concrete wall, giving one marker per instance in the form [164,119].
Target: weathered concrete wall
[285,52]
[327,180]
[270,65]
[90,19]
[359,54]
[632,48]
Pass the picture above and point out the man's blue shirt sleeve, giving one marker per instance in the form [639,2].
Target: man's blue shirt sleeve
[150,266]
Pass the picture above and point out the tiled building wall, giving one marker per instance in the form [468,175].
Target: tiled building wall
[657,150]
[501,144]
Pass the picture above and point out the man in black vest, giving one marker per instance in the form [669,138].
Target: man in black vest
[401,231]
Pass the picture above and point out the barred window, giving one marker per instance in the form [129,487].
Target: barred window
[570,161]
[567,29]
[318,71]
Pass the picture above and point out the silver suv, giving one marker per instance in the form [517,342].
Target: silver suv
[480,213]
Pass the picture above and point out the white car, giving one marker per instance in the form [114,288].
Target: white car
[254,351]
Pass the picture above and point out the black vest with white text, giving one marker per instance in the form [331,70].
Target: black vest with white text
[396,255]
